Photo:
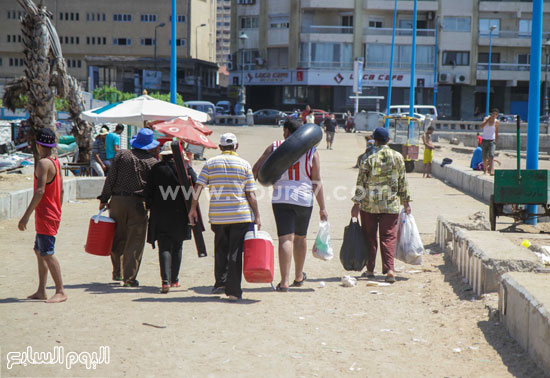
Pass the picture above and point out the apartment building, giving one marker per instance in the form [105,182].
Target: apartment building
[124,43]
[301,52]
[223,31]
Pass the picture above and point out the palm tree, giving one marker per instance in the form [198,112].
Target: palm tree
[45,76]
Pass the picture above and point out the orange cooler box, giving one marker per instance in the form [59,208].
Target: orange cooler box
[101,233]
[258,261]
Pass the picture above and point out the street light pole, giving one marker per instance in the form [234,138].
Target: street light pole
[243,37]
[487,98]
[388,99]
[546,105]
[198,77]
[413,78]
[161,25]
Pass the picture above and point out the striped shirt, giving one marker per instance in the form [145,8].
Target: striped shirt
[228,177]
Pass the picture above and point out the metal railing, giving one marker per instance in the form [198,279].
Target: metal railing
[401,65]
[399,31]
[503,67]
[327,29]
[341,65]
[510,34]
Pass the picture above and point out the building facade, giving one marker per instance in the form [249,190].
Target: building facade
[301,52]
[124,43]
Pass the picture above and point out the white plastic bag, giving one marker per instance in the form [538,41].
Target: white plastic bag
[409,247]
[322,249]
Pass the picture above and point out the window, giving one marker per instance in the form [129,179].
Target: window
[122,17]
[525,28]
[61,16]
[104,40]
[277,57]
[148,18]
[0,61]
[16,62]
[484,57]
[246,2]
[523,58]
[486,23]
[181,18]
[347,20]
[250,22]
[376,23]
[456,58]
[295,94]
[279,22]
[122,41]
[179,42]
[456,24]
[326,55]
[147,41]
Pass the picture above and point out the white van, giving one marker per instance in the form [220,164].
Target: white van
[202,106]
[424,110]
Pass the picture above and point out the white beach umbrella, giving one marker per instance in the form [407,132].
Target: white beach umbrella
[140,109]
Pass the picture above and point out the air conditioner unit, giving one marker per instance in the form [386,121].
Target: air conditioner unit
[229,66]
[445,78]
[431,15]
[461,79]
[260,61]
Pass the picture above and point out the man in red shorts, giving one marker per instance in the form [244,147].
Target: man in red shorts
[46,201]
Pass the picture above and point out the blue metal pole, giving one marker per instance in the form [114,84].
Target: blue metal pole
[534,96]
[173,56]
[413,78]
[388,99]
[487,98]
[435,61]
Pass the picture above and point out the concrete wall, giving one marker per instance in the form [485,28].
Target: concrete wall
[14,204]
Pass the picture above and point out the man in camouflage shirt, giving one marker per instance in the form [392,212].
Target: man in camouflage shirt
[381,190]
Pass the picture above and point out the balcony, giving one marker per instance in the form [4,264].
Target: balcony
[401,66]
[423,5]
[402,36]
[399,32]
[508,6]
[508,38]
[327,4]
[504,71]
[326,65]
[327,33]
[327,29]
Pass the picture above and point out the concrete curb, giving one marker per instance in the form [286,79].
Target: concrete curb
[525,311]
[463,179]
[14,204]
[479,258]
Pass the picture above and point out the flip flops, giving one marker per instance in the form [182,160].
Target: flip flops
[299,283]
[281,289]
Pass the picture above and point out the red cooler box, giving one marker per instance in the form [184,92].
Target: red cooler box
[101,233]
[258,258]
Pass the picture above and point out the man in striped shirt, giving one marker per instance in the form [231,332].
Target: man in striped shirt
[232,197]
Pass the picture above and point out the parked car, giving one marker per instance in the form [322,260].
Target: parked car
[420,109]
[320,115]
[268,116]
[225,107]
[202,106]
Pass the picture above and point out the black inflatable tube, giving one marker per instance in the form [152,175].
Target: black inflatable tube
[297,144]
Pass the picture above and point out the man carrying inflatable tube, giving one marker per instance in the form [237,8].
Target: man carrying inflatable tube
[292,206]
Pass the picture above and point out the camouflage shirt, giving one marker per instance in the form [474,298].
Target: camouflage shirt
[381,184]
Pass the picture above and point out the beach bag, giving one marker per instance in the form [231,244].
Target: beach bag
[353,254]
[322,249]
[409,244]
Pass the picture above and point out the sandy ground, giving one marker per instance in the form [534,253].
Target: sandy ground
[426,325]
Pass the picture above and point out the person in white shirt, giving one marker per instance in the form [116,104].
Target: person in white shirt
[489,137]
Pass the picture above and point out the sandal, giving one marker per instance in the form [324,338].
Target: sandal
[368,274]
[390,279]
[299,283]
[281,289]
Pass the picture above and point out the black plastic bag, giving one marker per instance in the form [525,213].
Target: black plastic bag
[353,254]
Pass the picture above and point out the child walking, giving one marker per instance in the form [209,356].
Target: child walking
[428,152]
[46,201]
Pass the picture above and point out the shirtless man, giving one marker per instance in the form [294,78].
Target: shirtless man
[46,201]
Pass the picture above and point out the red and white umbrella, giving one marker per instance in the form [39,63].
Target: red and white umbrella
[185,121]
[185,132]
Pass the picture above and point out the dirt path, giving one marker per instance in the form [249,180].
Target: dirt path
[426,325]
